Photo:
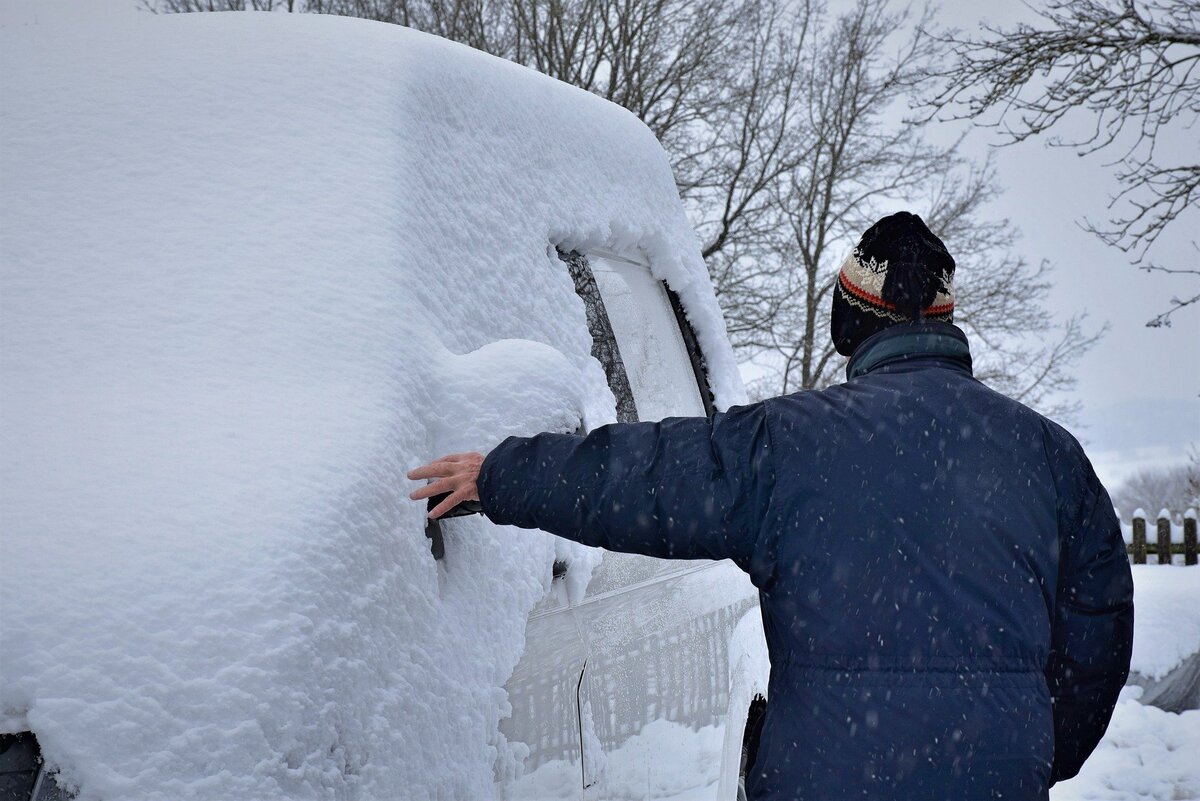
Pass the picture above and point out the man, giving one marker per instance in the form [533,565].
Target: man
[946,597]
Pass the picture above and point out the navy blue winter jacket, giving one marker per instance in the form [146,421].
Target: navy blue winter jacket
[946,597]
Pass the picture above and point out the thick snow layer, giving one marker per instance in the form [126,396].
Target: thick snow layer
[1146,755]
[254,268]
[1166,630]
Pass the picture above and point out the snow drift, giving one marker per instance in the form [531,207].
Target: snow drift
[254,267]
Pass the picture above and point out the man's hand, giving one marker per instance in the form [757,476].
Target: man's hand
[456,474]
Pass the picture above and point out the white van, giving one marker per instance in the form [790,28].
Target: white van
[253,268]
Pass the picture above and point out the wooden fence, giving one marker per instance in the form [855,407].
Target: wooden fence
[1168,540]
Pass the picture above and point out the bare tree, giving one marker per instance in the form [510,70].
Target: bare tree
[731,163]
[1135,66]
[182,6]
[1174,488]
[1018,347]
[857,164]
[1194,478]
[860,165]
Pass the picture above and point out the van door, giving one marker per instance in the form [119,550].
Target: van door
[544,692]
[641,663]
[656,686]
[656,681]
[654,366]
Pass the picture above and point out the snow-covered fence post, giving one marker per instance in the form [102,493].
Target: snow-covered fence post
[1164,537]
[1164,543]
[1139,537]
[1189,537]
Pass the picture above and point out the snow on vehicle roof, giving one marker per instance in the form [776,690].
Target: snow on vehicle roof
[254,268]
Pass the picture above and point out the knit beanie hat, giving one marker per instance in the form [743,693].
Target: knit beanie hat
[900,272]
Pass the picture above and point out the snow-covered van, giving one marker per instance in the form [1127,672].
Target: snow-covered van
[253,268]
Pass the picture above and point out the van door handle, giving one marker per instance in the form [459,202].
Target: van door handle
[433,528]
[464,508]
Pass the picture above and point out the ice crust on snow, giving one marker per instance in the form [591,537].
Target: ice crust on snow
[254,268]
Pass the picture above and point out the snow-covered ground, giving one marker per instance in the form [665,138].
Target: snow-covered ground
[238,253]
[1148,753]
[254,268]
[1166,617]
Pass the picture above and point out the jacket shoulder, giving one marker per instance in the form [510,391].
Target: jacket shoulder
[1081,494]
[1064,453]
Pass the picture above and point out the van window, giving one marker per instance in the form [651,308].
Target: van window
[605,348]
[657,362]
[642,337]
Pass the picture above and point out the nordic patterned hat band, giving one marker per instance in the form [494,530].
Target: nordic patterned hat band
[861,284]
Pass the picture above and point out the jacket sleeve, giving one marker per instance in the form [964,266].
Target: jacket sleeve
[682,488]
[1092,636]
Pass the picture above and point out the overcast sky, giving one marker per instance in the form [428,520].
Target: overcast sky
[1140,387]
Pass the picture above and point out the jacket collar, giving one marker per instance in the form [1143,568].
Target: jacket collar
[942,342]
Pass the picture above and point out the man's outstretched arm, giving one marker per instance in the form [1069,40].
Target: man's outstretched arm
[682,488]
